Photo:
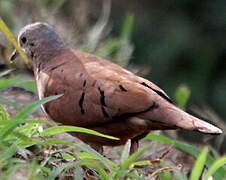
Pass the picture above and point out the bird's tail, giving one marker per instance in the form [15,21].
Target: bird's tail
[168,115]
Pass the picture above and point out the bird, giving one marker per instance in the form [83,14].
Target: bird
[98,94]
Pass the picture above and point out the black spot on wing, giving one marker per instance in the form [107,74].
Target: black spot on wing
[122,88]
[102,97]
[58,65]
[81,100]
[158,92]
[104,111]
[102,102]
[84,83]
[130,114]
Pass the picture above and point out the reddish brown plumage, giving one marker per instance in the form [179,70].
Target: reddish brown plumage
[100,95]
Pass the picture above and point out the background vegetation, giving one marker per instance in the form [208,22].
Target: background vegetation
[180,45]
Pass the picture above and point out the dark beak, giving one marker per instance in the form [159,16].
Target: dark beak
[13,55]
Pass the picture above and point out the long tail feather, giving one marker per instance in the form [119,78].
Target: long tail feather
[171,116]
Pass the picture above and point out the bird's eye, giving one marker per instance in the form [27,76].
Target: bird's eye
[23,40]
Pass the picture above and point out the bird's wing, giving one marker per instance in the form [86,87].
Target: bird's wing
[121,91]
[96,64]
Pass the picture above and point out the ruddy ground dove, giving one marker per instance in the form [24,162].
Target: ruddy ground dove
[98,94]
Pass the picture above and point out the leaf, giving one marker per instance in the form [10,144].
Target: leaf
[132,158]
[28,85]
[125,152]
[46,142]
[61,129]
[215,166]
[21,82]
[22,121]
[182,94]
[78,174]
[90,163]
[140,163]
[84,155]
[3,114]
[12,81]
[199,165]
[6,72]
[7,131]
[127,27]
[8,153]
[11,39]
[109,164]
[9,103]
[186,148]
[26,111]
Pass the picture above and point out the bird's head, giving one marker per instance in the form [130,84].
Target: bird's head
[38,39]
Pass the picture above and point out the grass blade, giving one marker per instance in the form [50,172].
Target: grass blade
[61,129]
[12,81]
[9,36]
[216,165]
[33,106]
[187,149]
[22,121]
[182,95]
[28,85]
[109,164]
[199,165]
[133,157]
[125,152]
[6,72]
[9,103]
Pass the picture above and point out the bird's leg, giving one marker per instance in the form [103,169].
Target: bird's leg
[134,146]
[97,148]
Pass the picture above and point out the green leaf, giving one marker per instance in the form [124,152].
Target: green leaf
[21,82]
[9,36]
[127,27]
[109,164]
[84,155]
[8,153]
[6,72]
[78,174]
[16,122]
[7,131]
[132,158]
[28,85]
[26,111]
[46,142]
[8,102]
[216,165]
[61,129]
[182,95]
[90,163]
[188,149]
[9,82]
[141,163]
[108,48]
[125,152]
[3,114]
[199,165]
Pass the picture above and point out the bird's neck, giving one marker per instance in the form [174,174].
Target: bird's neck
[43,58]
